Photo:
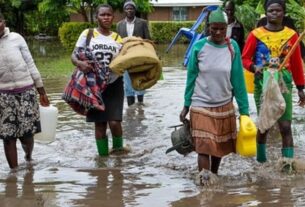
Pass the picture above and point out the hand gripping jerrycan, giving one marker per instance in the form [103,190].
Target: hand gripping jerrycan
[48,121]
[246,137]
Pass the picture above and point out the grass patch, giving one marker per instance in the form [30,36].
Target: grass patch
[60,67]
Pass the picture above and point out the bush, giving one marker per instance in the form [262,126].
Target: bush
[70,31]
[165,31]
[161,32]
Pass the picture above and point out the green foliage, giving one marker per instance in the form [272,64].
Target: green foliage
[161,32]
[87,7]
[70,31]
[247,16]
[297,13]
[252,3]
[249,11]
[48,24]
[164,31]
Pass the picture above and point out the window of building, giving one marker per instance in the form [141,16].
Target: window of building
[180,13]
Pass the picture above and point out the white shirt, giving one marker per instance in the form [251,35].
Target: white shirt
[229,29]
[104,48]
[130,27]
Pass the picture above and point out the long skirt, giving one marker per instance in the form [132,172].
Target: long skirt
[214,129]
[19,114]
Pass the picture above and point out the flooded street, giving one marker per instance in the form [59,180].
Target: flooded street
[68,172]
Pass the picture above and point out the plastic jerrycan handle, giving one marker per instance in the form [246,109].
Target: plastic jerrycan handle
[247,126]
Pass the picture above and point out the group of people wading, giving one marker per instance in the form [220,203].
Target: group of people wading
[214,78]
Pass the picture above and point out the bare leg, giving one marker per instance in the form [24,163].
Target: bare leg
[261,138]
[116,128]
[11,152]
[100,130]
[287,145]
[27,144]
[215,162]
[203,162]
[285,130]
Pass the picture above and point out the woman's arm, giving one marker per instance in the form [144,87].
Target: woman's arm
[28,59]
[83,66]
[192,73]
[238,82]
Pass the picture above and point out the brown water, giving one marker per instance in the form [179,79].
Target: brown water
[68,172]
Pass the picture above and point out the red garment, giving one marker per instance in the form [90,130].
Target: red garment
[83,92]
[294,64]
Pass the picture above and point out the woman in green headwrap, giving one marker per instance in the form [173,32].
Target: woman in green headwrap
[214,76]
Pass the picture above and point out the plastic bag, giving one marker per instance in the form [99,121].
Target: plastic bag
[273,104]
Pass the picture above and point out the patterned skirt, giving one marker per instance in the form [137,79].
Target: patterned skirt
[214,129]
[19,114]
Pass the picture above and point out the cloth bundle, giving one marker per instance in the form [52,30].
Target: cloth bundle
[139,58]
[84,90]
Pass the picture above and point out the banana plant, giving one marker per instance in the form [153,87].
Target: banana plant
[297,12]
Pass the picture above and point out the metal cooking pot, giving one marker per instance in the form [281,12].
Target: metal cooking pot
[181,139]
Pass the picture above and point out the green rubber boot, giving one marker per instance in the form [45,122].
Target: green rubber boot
[261,153]
[102,146]
[117,142]
[288,152]
[287,165]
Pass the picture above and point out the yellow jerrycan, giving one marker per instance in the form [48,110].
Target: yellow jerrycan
[249,80]
[246,137]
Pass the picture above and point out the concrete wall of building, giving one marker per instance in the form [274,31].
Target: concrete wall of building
[160,14]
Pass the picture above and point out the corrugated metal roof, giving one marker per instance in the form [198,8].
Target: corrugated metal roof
[172,3]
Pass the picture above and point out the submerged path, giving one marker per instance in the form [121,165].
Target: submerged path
[68,172]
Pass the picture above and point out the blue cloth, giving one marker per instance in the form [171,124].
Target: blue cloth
[128,90]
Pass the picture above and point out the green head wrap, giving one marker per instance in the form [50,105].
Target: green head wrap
[218,16]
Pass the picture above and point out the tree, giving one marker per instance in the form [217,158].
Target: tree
[87,7]
[15,11]
[249,11]
[297,12]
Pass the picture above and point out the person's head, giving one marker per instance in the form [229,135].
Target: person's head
[104,16]
[218,22]
[130,9]
[268,2]
[229,8]
[275,11]
[2,24]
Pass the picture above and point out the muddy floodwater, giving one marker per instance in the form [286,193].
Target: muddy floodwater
[68,172]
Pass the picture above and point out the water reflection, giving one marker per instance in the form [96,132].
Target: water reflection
[50,49]
[134,123]
[21,192]
[107,190]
